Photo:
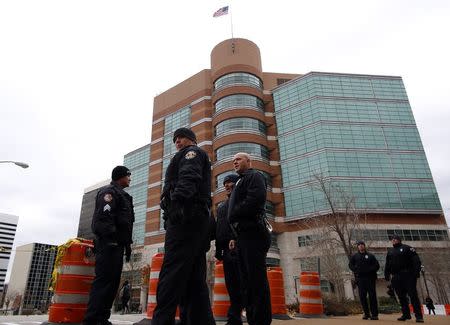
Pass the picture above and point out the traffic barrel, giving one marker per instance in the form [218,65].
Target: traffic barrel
[277,299]
[72,278]
[221,299]
[447,309]
[310,295]
[411,309]
[155,268]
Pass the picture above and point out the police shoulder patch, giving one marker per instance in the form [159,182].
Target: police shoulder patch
[412,249]
[190,154]
[108,197]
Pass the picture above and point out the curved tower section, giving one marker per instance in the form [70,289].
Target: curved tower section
[242,117]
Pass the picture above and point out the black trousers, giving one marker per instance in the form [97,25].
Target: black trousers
[252,247]
[233,284]
[182,280]
[108,268]
[366,286]
[405,283]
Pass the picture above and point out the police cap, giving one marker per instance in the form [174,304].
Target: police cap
[360,242]
[397,237]
[230,178]
[120,171]
[184,132]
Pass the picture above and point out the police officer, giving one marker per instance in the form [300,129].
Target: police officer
[112,225]
[229,256]
[186,202]
[365,266]
[403,263]
[246,215]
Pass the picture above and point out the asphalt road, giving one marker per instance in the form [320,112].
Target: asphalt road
[130,319]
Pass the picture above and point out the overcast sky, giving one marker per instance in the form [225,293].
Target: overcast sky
[78,78]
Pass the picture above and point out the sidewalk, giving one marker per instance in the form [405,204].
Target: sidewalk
[356,320]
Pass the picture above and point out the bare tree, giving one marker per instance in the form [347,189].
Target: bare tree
[436,272]
[10,297]
[333,233]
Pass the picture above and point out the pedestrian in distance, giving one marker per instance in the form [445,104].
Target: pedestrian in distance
[365,266]
[112,225]
[403,264]
[229,256]
[125,295]
[246,214]
[186,203]
[430,305]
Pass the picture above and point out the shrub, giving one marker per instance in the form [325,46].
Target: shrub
[388,305]
[341,308]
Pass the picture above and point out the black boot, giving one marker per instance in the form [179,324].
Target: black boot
[404,317]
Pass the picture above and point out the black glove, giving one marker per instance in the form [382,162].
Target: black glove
[127,253]
[176,212]
[387,277]
[219,254]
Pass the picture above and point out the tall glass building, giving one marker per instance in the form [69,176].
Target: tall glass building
[358,132]
[138,162]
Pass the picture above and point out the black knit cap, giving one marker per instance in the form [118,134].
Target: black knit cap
[397,237]
[360,242]
[230,178]
[184,132]
[119,171]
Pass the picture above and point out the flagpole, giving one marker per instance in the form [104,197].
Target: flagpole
[232,36]
[231,19]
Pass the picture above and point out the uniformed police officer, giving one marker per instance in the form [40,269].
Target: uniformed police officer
[365,267]
[246,214]
[186,202]
[112,225]
[229,256]
[403,263]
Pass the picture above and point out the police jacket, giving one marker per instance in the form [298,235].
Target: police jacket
[402,259]
[113,215]
[364,265]
[223,230]
[248,199]
[187,180]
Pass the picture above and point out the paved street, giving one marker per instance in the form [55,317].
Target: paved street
[351,320]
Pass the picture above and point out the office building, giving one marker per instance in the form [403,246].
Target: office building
[8,226]
[87,210]
[356,132]
[31,274]
[138,162]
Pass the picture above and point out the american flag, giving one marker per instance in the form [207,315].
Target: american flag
[222,11]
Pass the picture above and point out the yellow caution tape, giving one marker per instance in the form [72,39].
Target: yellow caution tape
[62,249]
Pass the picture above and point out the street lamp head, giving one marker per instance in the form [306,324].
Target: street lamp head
[21,164]
[18,163]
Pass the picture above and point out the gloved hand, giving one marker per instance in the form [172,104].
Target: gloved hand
[387,277]
[176,212]
[219,254]
[127,253]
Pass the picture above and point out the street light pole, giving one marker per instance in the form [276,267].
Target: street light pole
[18,163]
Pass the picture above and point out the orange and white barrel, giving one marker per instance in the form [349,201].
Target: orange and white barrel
[155,268]
[221,299]
[310,295]
[74,273]
[277,299]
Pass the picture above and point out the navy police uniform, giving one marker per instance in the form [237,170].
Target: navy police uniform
[186,202]
[112,224]
[230,259]
[365,267]
[403,263]
[245,214]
